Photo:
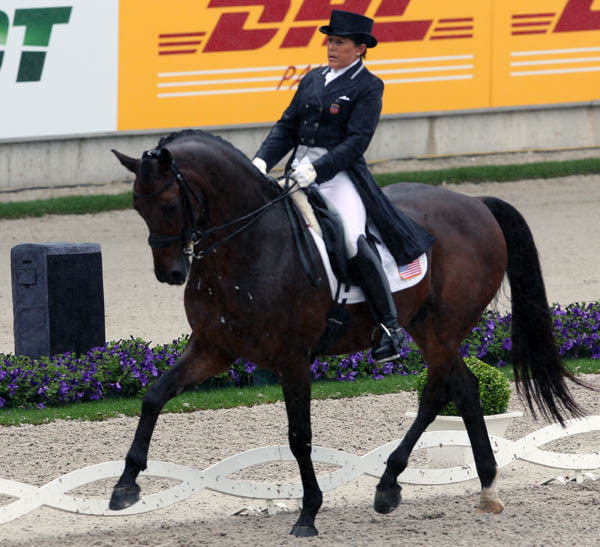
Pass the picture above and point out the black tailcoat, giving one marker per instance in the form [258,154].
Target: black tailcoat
[342,117]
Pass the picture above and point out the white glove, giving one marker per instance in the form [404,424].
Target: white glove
[304,174]
[260,165]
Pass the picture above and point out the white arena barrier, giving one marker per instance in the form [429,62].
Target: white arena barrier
[215,478]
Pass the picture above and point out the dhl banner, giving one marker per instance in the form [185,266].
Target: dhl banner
[75,66]
[224,62]
[221,62]
[545,51]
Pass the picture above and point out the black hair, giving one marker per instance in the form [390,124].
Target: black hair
[357,42]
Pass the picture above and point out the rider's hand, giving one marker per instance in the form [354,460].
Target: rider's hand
[260,165]
[304,174]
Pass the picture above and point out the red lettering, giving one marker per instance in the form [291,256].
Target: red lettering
[287,75]
[298,37]
[229,33]
[301,75]
[385,32]
[392,7]
[401,31]
[578,16]
[274,11]
[321,9]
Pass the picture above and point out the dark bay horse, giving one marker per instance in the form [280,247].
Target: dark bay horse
[248,296]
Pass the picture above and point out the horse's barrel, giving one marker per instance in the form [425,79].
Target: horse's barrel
[58,298]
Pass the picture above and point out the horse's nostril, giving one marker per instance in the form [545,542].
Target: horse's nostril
[176,278]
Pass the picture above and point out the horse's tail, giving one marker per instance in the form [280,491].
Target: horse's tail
[539,372]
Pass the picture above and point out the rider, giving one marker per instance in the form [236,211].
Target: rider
[329,124]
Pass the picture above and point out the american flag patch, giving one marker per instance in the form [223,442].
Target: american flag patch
[410,270]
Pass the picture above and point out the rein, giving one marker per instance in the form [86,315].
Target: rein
[250,218]
[190,235]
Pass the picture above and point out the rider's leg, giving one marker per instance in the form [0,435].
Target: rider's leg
[340,194]
[374,284]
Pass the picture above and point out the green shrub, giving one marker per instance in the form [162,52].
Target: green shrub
[494,388]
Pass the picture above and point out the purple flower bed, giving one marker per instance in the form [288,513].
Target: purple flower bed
[127,367]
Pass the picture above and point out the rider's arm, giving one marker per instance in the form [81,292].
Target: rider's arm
[360,128]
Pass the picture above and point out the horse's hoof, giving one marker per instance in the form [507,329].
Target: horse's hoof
[387,500]
[490,506]
[304,531]
[123,497]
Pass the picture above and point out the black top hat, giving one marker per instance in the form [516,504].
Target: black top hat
[352,25]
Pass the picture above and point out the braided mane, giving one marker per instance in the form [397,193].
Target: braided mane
[202,136]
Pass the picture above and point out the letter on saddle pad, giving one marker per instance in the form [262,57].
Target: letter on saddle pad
[399,277]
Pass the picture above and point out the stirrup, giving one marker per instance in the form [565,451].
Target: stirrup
[390,345]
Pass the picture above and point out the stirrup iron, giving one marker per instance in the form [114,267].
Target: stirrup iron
[390,345]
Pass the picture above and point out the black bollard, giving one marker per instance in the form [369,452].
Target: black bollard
[58,298]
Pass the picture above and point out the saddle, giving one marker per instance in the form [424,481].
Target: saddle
[332,232]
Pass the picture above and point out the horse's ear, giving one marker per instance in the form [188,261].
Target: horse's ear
[126,161]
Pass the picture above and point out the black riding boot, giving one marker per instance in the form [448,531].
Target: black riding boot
[374,283]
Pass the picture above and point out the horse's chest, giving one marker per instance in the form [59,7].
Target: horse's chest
[218,301]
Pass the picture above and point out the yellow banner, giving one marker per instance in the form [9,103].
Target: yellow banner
[232,62]
[545,52]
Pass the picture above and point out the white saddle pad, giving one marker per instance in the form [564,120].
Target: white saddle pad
[399,277]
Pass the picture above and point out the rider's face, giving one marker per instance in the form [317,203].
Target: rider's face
[342,51]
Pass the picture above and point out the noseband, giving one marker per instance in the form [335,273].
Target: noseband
[190,235]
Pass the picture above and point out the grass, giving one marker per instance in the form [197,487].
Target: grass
[192,401]
[496,173]
[233,397]
[68,205]
[485,173]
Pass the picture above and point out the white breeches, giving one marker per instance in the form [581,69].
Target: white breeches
[340,193]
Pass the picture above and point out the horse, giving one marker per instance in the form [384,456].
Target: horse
[217,222]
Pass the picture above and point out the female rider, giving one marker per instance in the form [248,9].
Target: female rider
[329,125]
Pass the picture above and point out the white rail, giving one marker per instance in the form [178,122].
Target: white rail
[351,466]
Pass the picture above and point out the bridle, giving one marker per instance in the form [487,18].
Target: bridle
[190,235]
[186,236]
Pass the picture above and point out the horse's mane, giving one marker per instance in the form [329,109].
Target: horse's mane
[233,153]
[202,136]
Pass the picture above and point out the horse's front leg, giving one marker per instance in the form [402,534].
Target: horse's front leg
[192,368]
[296,387]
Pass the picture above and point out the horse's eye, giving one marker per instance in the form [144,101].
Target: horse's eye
[169,209]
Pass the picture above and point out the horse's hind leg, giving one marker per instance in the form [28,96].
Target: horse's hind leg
[296,385]
[192,368]
[465,395]
[435,395]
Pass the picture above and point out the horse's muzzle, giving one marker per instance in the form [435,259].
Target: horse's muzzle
[171,267]
[176,277]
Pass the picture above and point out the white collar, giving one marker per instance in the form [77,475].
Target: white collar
[332,74]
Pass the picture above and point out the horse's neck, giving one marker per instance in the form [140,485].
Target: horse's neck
[238,197]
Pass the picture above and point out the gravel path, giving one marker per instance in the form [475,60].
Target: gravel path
[535,514]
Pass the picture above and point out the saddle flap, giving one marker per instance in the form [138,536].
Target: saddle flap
[333,237]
